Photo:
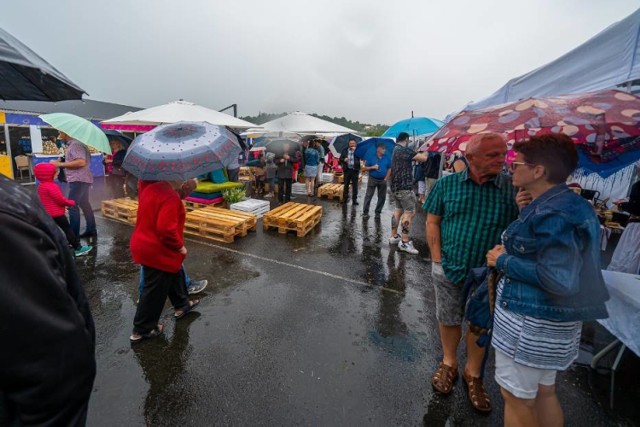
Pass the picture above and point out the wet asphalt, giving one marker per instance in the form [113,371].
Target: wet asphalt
[334,328]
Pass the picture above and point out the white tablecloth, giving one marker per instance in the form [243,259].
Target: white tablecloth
[623,308]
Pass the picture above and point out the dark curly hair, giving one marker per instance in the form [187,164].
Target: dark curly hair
[555,151]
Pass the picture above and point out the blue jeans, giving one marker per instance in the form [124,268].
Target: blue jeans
[79,192]
[187,279]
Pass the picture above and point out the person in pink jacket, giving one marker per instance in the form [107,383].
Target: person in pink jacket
[55,204]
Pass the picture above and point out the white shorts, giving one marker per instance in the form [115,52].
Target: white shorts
[520,380]
[421,187]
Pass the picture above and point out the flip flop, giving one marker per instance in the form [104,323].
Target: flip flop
[152,334]
[187,309]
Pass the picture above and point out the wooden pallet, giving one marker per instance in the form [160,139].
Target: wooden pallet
[124,210]
[341,179]
[192,206]
[297,217]
[222,225]
[331,191]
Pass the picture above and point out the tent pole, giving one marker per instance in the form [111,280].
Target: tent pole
[7,141]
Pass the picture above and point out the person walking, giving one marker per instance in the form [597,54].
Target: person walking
[157,244]
[379,167]
[552,282]
[403,195]
[79,177]
[285,163]
[466,213]
[55,204]
[270,174]
[351,171]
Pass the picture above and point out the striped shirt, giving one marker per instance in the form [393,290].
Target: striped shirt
[534,342]
[472,219]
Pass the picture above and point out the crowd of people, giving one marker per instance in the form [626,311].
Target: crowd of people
[541,238]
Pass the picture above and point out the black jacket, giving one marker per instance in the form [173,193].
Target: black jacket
[344,160]
[633,205]
[47,361]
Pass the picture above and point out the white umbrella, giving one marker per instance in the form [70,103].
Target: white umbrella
[179,111]
[301,123]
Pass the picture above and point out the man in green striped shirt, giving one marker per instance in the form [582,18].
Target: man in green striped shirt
[466,214]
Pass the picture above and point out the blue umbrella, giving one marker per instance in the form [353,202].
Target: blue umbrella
[363,148]
[341,142]
[414,126]
[180,151]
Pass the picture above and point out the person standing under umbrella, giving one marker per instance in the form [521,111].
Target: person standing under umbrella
[311,162]
[285,164]
[351,170]
[79,177]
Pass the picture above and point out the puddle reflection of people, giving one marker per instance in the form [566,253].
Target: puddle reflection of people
[163,363]
[389,320]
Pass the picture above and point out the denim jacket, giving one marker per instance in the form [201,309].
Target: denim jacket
[552,260]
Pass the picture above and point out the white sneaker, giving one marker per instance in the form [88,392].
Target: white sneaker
[407,247]
[395,240]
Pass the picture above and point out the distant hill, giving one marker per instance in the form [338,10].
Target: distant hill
[364,129]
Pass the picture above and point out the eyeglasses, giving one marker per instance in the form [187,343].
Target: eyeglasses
[514,165]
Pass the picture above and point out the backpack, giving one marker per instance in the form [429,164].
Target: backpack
[479,298]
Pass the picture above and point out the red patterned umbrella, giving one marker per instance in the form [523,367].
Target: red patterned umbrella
[606,123]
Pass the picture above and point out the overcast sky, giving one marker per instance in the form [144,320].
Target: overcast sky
[368,60]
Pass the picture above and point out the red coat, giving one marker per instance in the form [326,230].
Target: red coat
[50,194]
[159,233]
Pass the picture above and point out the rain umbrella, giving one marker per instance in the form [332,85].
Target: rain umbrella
[174,112]
[114,134]
[363,148]
[414,126]
[79,129]
[341,142]
[180,151]
[276,146]
[26,76]
[605,123]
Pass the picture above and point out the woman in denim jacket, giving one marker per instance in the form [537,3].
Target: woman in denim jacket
[552,282]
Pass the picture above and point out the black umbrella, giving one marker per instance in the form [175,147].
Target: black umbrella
[276,146]
[342,141]
[26,76]
[114,134]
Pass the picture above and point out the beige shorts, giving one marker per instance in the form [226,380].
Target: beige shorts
[520,380]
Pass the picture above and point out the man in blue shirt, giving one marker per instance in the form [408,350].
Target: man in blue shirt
[379,167]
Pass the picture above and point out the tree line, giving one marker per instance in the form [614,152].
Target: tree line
[364,129]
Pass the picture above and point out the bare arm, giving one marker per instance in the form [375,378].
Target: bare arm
[388,175]
[73,164]
[422,157]
[433,237]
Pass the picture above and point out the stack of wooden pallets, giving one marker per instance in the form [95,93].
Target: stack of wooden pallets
[222,225]
[341,179]
[297,217]
[124,210]
[331,191]
[252,206]
[192,206]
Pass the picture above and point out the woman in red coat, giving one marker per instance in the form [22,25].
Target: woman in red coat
[158,245]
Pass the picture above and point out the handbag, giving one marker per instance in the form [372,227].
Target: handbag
[479,298]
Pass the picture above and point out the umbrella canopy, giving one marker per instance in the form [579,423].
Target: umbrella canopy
[365,146]
[414,126]
[180,151]
[299,122]
[26,76]
[341,142]
[606,123]
[114,134]
[173,112]
[276,146]
[80,129]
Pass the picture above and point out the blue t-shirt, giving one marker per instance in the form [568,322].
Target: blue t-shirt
[311,157]
[384,163]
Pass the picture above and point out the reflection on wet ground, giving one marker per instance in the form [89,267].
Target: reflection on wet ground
[331,329]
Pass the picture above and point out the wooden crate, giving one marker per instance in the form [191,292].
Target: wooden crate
[124,209]
[331,191]
[341,179]
[222,225]
[297,217]
[192,206]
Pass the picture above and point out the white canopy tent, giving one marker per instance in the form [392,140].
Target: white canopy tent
[179,111]
[609,59]
[301,123]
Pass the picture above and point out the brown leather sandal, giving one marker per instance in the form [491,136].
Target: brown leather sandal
[442,380]
[477,394]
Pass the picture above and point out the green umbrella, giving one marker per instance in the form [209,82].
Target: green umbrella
[80,129]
